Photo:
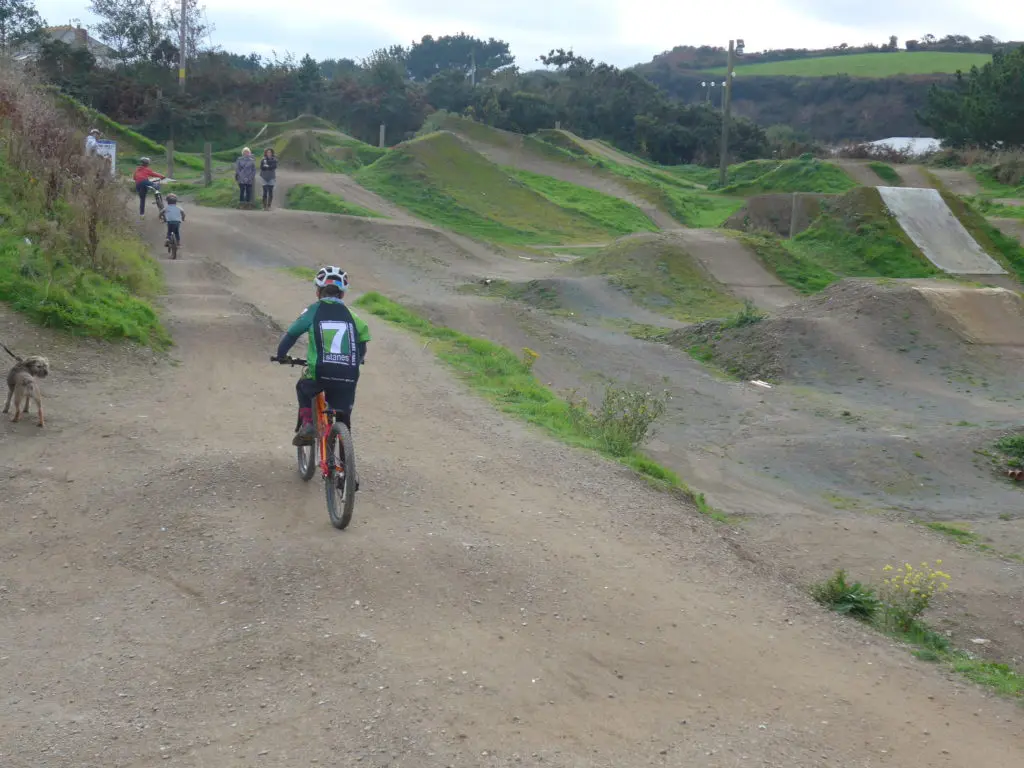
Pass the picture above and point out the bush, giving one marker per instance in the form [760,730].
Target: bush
[839,595]
[908,593]
[749,315]
[624,420]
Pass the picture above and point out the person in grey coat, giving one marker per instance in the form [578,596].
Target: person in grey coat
[268,174]
[245,176]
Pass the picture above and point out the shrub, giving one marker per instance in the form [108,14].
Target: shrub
[908,593]
[624,420]
[749,315]
[839,595]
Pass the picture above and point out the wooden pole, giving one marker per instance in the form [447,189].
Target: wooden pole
[208,164]
[723,160]
[381,135]
[181,45]
[170,158]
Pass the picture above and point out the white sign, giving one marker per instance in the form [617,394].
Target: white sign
[107,148]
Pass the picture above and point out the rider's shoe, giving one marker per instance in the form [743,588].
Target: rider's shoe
[306,435]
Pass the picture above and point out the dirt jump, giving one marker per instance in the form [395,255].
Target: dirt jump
[928,221]
[500,599]
[735,267]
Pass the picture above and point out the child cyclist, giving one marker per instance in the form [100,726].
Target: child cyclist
[142,177]
[336,348]
[173,216]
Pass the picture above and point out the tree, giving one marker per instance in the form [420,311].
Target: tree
[985,108]
[130,27]
[19,22]
[431,56]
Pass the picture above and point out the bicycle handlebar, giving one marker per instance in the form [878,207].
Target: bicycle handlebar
[287,360]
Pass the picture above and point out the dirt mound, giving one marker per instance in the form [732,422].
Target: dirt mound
[783,214]
[861,330]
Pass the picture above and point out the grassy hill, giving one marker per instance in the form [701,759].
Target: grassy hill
[873,65]
[804,174]
[660,275]
[440,178]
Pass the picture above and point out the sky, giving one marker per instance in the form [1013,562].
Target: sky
[619,32]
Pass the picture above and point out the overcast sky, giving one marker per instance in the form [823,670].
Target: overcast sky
[620,32]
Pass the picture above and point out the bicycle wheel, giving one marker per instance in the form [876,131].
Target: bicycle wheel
[172,248]
[306,457]
[340,483]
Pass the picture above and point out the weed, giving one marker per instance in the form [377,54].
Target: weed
[624,420]
[908,592]
[838,595]
[529,358]
[749,315]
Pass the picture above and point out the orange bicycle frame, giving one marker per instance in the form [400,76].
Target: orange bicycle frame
[322,429]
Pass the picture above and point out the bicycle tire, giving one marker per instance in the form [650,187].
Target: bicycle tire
[173,248]
[306,458]
[339,438]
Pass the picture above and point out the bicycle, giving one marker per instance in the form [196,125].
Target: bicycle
[158,198]
[334,453]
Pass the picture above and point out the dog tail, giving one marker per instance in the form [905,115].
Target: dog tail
[8,351]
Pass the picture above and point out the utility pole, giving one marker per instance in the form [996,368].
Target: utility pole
[723,160]
[181,45]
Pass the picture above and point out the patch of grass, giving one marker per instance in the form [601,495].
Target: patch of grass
[990,182]
[222,193]
[507,381]
[646,332]
[963,535]
[796,268]
[866,65]
[865,604]
[307,197]
[536,293]
[803,174]
[990,208]
[886,173]
[609,213]
[302,273]
[855,236]
[660,275]
[43,278]
[441,179]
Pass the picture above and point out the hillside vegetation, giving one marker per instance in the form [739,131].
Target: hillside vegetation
[69,258]
[660,275]
[804,174]
[853,237]
[441,179]
[866,65]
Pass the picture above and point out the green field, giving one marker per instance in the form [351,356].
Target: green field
[865,65]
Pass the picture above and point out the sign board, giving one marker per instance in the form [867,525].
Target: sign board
[107,148]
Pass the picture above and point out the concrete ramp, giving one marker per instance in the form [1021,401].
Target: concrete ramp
[993,316]
[927,220]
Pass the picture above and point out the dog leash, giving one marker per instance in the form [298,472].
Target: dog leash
[8,351]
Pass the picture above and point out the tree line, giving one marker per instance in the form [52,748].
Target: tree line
[399,86]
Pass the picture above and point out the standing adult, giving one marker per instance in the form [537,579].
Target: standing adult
[245,176]
[268,174]
[92,142]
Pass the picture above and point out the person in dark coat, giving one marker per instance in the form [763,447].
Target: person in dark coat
[268,175]
[245,176]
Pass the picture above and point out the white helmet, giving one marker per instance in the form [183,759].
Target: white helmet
[331,275]
[96,131]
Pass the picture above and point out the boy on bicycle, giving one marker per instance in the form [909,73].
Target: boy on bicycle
[142,178]
[172,215]
[337,341]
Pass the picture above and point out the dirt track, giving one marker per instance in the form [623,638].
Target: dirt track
[170,588]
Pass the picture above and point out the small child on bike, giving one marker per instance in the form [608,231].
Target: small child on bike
[142,177]
[173,216]
[336,349]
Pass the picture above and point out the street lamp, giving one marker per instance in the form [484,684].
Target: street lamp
[735,49]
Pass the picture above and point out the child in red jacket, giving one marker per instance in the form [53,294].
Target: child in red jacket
[142,177]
